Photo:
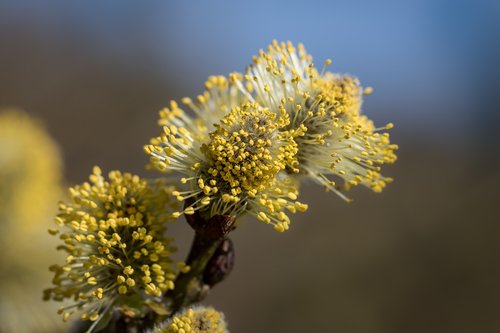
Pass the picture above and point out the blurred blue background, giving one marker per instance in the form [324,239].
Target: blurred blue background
[421,257]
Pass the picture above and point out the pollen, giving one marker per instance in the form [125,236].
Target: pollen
[244,149]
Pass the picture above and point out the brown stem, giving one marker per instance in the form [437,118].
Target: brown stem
[189,287]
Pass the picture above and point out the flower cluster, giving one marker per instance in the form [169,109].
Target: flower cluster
[195,320]
[242,147]
[30,168]
[235,167]
[117,251]
[333,137]
[253,135]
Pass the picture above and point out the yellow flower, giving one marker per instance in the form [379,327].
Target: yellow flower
[245,150]
[234,169]
[30,168]
[333,137]
[195,320]
[185,134]
[221,96]
[113,232]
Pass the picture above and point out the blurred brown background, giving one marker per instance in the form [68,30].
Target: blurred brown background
[421,257]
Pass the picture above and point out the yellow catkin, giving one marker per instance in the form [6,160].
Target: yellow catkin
[232,168]
[195,320]
[113,232]
[334,139]
[30,169]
